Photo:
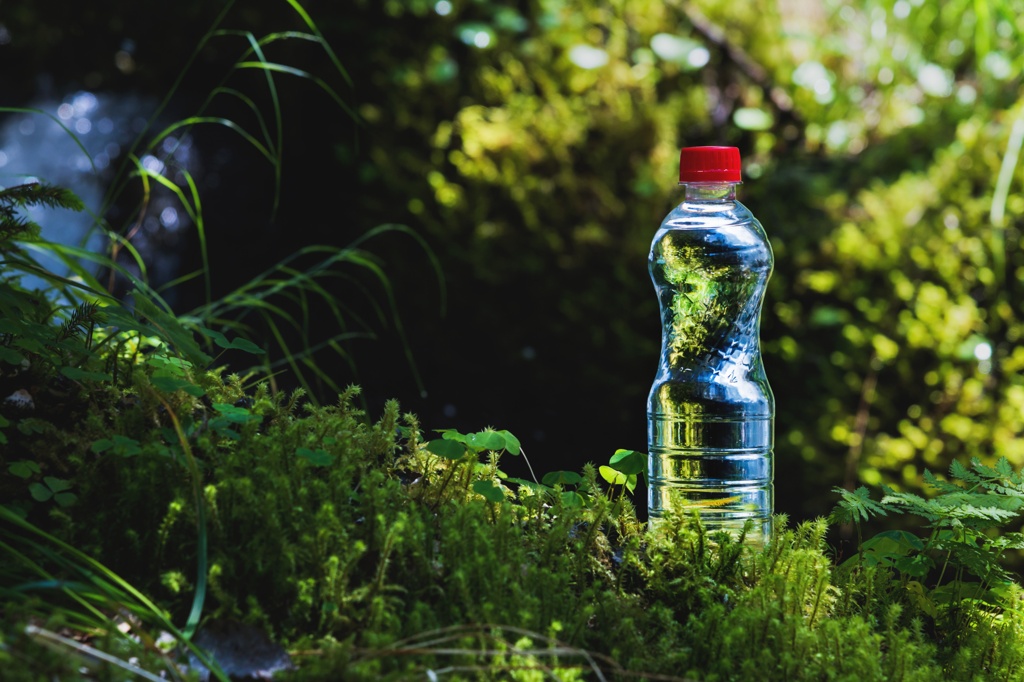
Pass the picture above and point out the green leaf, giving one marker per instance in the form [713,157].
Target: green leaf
[631,483]
[918,594]
[214,336]
[125,446]
[611,475]
[958,591]
[572,499]
[486,440]
[24,468]
[856,506]
[918,566]
[57,485]
[629,461]
[236,415]
[170,384]
[223,428]
[169,365]
[39,492]
[30,425]
[171,329]
[319,458]
[905,540]
[237,343]
[11,356]
[532,485]
[449,449]
[119,445]
[79,374]
[562,478]
[490,491]
[512,444]
[65,499]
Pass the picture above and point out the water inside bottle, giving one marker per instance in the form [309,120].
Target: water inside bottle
[710,410]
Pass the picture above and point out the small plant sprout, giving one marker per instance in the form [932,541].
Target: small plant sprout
[623,468]
[460,449]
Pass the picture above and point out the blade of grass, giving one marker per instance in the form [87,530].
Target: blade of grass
[115,591]
[194,211]
[997,214]
[117,185]
[199,598]
[221,121]
[291,70]
[278,120]
[301,11]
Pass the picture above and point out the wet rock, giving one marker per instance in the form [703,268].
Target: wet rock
[242,651]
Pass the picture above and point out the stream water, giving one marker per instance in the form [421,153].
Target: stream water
[79,142]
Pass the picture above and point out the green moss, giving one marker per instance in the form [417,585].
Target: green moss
[344,538]
[355,543]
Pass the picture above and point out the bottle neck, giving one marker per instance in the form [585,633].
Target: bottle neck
[710,191]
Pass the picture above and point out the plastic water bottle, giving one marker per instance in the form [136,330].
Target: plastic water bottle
[710,413]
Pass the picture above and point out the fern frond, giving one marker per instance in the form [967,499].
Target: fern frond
[913,504]
[82,319]
[13,226]
[980,561]
[856,506]
[17,227]
[40,194]
[939,484]
[959,472]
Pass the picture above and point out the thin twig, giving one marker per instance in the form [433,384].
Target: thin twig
[53,639]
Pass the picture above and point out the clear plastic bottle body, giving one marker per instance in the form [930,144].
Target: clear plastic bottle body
[711,411]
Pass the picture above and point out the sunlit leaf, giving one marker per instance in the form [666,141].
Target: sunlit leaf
[486,440]
[629,462]
[611,475]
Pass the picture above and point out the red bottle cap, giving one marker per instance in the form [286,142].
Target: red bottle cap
[709,164]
